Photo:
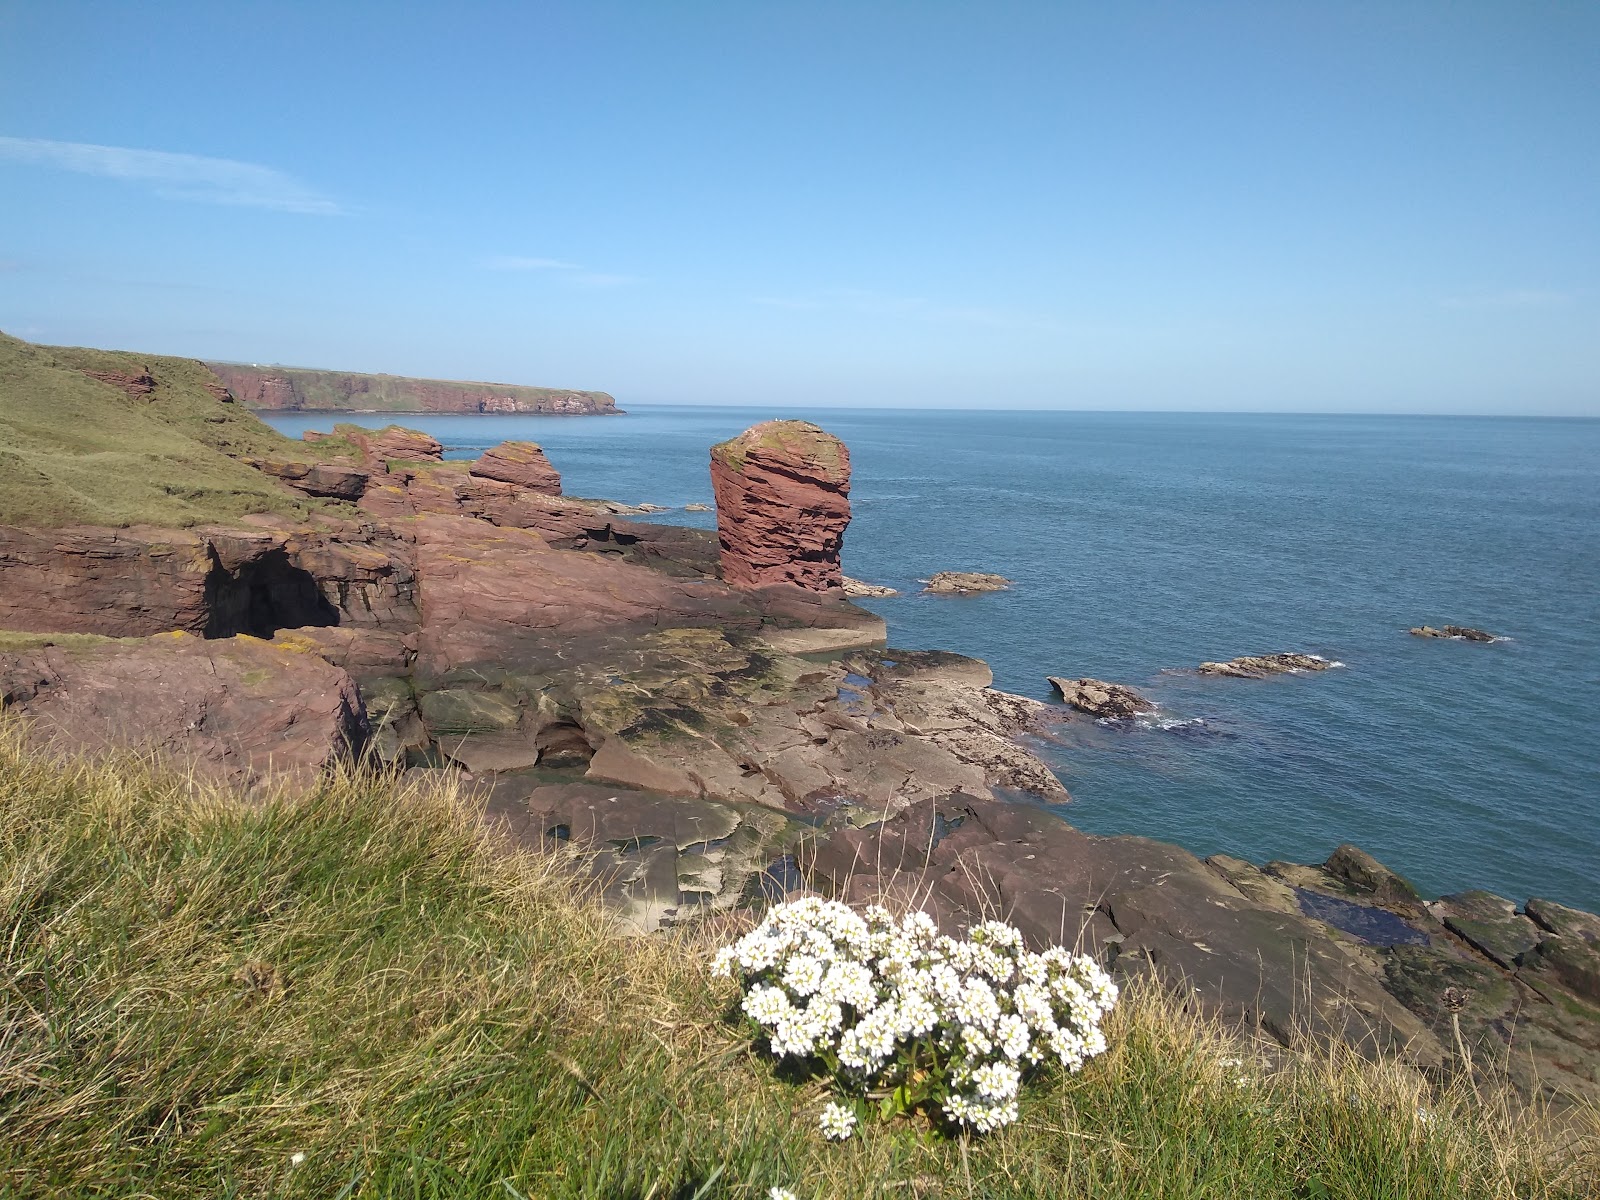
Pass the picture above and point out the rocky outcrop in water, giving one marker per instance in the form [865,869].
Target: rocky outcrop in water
[233,709]
[964,583]
[519,463]
[857,590]
[1100,699]
[1259,666]
[1462,632]
[783,502]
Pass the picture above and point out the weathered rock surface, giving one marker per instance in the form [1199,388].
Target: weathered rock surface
[137,384]
[1462,632]
[392,443]
[256,578]
[296,388]
[856,589]
[654,858]
[782,491]
[235,709]
[964,583]
[521,463]
[1259,666]
[1101,699]
[334,480]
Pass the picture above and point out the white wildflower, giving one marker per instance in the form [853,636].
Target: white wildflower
[837,1122]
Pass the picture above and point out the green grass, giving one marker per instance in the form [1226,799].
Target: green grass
[194,989]
[347,391]
[74,450]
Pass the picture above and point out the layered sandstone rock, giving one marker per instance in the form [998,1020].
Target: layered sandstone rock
[519,463]
[137,384]
[392,443]
[252,579]
[782,490]
[337,480]
[234,709]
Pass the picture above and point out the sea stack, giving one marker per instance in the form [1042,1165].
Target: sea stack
[783,501]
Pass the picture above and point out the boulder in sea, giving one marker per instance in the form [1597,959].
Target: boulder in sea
[697,508]
[964,583]
[1259,666]
[1462,632]
[782,490]
[520,463]
[855,589]
[1101,699]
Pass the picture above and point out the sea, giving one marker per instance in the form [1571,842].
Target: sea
[1142,544]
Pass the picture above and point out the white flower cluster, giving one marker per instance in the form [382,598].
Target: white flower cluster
[873,996]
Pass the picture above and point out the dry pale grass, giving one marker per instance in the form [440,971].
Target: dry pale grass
[350,992]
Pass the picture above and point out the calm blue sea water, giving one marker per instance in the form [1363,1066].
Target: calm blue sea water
[1142,544]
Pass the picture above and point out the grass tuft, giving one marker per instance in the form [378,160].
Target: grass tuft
[350,991]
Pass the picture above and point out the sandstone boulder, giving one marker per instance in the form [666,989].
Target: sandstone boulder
[392,443]
[333,480]
[1101,699]
[520,463]
[235,709]
[782,490]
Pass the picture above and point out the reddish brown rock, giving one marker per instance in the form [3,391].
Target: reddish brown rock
[782,491]
[491,595]
[136,385]
[333,480]
[521,463]
[235,709]
[256,579]
[392,443]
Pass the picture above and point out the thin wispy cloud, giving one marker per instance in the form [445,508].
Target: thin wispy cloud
[1512,298]
[569,272]
[193,177]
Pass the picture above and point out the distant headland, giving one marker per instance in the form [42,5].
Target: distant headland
[301,389]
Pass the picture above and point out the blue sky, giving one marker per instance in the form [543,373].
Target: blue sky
[1328,207]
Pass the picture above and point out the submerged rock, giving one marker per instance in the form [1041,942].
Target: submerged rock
[782,490]
[1259,666]
[1462,632]
[964,583]
[521,463]
[1100,699]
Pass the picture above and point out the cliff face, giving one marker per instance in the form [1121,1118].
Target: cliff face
[294,388]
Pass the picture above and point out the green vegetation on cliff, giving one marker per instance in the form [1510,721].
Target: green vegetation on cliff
[354,993]
[150,446]
[313,390]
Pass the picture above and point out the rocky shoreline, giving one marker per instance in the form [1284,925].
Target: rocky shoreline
[707,721]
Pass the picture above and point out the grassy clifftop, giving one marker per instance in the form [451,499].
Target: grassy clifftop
[308,389]
[352,993]
[152,446]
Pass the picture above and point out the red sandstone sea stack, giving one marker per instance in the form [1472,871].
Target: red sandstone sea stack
[783,501]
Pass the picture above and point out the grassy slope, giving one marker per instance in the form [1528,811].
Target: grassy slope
[74,450]
[193,991]
[328,391]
